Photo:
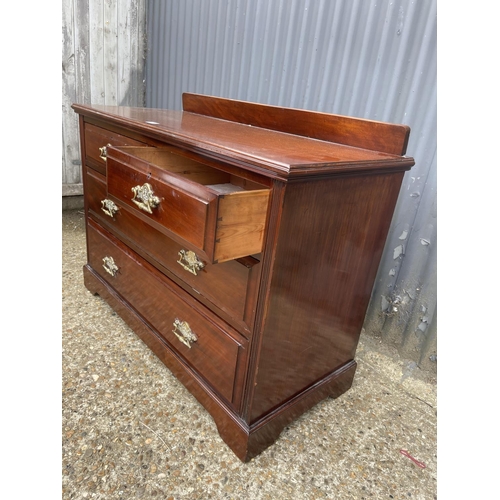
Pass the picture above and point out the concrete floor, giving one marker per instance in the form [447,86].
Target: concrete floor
[131,430]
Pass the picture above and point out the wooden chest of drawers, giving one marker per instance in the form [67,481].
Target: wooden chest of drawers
[240,242]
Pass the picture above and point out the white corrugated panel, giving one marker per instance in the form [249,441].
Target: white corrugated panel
[371,59]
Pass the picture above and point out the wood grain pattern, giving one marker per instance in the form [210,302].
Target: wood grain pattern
[96,138]
[190,207]
[241,221]
[74,64]
[267,152]
[279,329]
[102,62]
[232,429]
[168,159]
[331,236]
[360,133]
[213,355]
[184,209]
[229,286]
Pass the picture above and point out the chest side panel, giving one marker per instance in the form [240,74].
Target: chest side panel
[331,237]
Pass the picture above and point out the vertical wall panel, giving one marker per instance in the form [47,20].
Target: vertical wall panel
[75,63]
[375,60]
[103,57]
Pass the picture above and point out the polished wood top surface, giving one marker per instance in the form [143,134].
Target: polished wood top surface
[276,153]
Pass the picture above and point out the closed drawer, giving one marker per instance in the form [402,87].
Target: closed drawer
[231,286]
[97,138]
[210,349]
[216,214]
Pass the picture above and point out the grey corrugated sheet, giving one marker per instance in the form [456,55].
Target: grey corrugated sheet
[371,59]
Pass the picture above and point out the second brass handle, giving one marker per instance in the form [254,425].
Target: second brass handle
[144,197]
[108,207]
[109,265]
[103,153]
[190,261]
[183,332]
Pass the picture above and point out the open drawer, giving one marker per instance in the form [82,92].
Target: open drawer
[218,215]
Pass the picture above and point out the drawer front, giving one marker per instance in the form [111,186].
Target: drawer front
[175,209]
[231,286]
[96,138]
[191,331]
[216,214]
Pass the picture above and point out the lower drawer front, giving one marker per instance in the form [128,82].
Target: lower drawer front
[191,331]
[230,286]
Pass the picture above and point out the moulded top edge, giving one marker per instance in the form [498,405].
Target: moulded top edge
[280,153]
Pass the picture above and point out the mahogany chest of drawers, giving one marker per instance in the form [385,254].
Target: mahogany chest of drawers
[241,242]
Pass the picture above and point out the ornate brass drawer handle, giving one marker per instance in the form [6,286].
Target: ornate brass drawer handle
[109,208]
[144,197]
[190,261]
[184,333]
[109,265]
[102,153]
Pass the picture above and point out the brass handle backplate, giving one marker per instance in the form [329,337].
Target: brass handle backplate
[144,197]
[184,333]
[190,261]
[102,153]
[109,265]
[109,208]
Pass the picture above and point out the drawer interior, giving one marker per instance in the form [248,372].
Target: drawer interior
[219,181]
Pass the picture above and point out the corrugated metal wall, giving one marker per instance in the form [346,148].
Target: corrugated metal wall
[371,59]
[102,63]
